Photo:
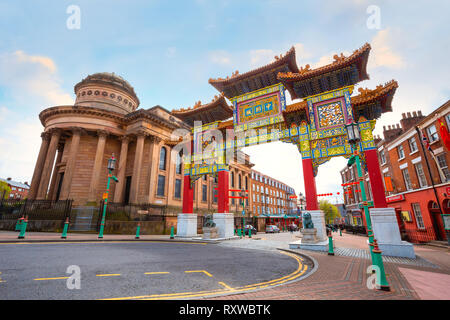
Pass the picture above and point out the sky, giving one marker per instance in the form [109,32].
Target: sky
[168,50]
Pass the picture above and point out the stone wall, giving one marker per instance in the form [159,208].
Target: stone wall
[34,225]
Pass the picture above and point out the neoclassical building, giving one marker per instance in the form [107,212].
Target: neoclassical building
[79,139]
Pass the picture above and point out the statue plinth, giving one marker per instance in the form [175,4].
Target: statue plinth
[210,233]
[309,235]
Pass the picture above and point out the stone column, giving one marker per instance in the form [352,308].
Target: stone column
[39,166]
[118,193]
[153,168]
[96,172]
[134,190]
[70,165]
[48,164]
[52,191]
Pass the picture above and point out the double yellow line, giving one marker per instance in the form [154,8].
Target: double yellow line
[301,269]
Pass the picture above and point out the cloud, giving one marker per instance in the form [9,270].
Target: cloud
[220,57]
[261,57]
[32,78]
[382,52]
[20,146]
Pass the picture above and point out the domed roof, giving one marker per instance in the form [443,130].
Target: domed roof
[109,79]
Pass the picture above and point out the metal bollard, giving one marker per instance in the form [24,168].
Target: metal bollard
[330,244]
[383,284]
[66,226]
[23,229]
[19,224]
[138,229]
[239,233]
[249,233]
[172,236]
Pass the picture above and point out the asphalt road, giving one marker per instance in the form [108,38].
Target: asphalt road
[137,270]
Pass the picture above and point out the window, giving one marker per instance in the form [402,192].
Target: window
[161,185]
[232,179]
[239,182]
[444,166]
[179,166]
[246,183]
[162,159]
[418,215]
[447,119]
[401,152]
[215,194]
[382,157]
[421,175]
[407,179]
[177,188]
[412,144]
[204,193]
[432,133]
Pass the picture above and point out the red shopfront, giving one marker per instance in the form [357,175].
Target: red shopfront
[418,213]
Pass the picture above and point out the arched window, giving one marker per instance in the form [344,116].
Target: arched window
[239,182]
[232,179]
[179,164]
[246,183]
[162,159]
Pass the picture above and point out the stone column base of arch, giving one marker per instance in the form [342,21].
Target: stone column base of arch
[187,225]
[318,219]
[225,225]
[386,231]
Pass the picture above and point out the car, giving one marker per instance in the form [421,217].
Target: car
[272,229]
[248,227]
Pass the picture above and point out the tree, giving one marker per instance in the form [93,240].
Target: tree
[4,190]
[330,211]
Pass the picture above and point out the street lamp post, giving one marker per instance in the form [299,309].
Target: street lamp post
[111,167]
[354,138]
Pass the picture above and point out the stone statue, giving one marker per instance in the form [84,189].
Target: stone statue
[209,223]
[307,221]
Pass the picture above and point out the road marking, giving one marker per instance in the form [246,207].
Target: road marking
[204,271]
[156,272]
[183,295]
[226,286]
[108,275]
[56,278]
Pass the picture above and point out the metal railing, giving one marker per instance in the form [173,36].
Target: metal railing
[35,209]
[419,235]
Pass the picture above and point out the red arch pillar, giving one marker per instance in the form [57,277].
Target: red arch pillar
[375,178]
[310,185]
[188,195]
[222,192]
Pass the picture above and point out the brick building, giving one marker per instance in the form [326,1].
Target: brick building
[19,190]
[417,182]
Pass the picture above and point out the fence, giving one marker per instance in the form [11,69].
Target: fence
[418,235]
[35,209]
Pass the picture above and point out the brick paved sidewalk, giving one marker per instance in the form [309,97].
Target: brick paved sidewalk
[337,278]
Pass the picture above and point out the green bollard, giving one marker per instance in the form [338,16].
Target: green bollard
[172,236]
[330,244]
[66,226]
[249,233]
[340,232]
[138,229]
[19,224]
[23,229]
[239,233]
[382,283]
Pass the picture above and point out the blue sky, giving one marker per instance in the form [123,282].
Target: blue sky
[168,50]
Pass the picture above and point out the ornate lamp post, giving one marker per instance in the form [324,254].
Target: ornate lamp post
[111,167]
[354,138]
